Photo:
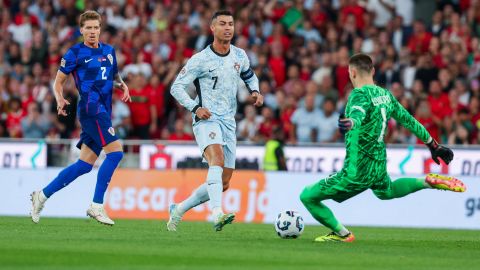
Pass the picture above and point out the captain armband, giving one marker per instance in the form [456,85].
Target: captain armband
[247,74]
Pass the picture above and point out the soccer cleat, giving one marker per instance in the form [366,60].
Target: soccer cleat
[98,213]
[174,219]
[333,237]
[223,220]
[37,206]
[445,182]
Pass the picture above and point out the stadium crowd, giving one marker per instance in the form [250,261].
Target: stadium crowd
[298,49]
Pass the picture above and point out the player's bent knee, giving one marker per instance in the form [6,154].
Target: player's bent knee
[217,162]
[83,167]
[114,146]
[115,156]
[305,197]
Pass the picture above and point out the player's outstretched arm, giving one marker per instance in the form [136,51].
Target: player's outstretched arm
[408,121]
[58,92]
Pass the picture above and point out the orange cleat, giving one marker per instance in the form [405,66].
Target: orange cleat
[445,182]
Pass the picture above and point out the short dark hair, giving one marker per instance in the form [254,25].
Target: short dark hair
[221,13]
[329,99]
[362,62]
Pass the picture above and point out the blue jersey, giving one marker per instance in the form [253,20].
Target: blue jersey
[94,70]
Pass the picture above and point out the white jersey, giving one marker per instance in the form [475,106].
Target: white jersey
[216,78]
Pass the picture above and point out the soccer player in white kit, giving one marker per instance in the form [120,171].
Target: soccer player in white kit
[215,72]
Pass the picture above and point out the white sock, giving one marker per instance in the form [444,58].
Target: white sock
[42,196]
[215,186]
[216,212]
[343,231]
[199,196]
[97,205]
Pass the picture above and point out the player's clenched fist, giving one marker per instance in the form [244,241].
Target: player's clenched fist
[258,99]
[203,113]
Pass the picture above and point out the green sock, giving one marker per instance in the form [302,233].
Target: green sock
[404,186]
[324,215]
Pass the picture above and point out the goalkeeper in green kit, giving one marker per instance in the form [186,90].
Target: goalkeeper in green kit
[364,124]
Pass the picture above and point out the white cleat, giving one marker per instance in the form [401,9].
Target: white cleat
[98,213]
[222,220]
[37,206]
[174,219]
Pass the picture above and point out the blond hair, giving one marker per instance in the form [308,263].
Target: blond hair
[89,15]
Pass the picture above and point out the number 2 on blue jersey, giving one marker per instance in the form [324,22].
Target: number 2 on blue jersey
[104,70]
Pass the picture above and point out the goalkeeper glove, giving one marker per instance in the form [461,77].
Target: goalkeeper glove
[440,151]
[344,124]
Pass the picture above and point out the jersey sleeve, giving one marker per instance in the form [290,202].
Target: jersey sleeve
[115,65]
[248,75]
[357,107]
[188,74]
[68,62]
[408,121]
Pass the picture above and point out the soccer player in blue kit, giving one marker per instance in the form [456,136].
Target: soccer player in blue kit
[215,72]
[94,69]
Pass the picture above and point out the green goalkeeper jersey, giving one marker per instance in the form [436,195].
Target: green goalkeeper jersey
[370,107]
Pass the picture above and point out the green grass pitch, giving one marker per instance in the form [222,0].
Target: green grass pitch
[144,244]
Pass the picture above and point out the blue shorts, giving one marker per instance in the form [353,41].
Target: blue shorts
[97,132]
[215,131]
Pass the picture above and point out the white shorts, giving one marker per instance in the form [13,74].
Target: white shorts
[209,132]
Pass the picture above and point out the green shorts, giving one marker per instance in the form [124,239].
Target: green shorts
[345,184]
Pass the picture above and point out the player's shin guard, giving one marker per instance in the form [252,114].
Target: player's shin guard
[105,174]
[215,187]
[66,176]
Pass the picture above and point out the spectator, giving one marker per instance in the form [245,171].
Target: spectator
[341,70]
[383,11]
[308,33]
[312,89]
[142,108]
[14,118]
[387,75]
[268,124]
[179,133]
[304,120]
[431,122]
[437,25]
[269,97]
[121,120]
[247,128]
[277,64]
[420,40]
[34,124]
[326,125]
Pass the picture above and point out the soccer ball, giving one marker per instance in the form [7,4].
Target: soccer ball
[289,224]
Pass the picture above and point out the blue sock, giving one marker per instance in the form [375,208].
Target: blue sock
[66,176]
[105,174]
